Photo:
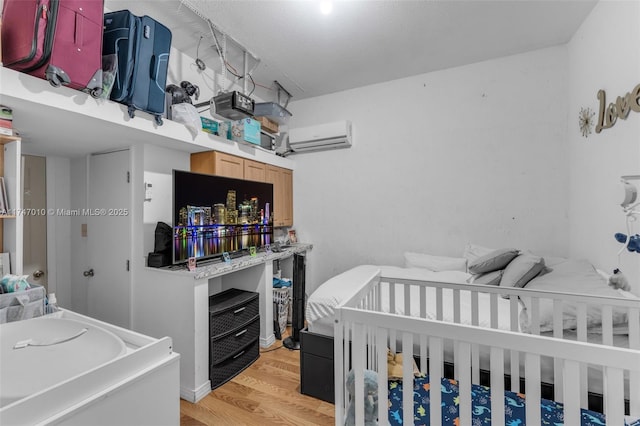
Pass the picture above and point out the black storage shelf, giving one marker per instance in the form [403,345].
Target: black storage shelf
[234,325]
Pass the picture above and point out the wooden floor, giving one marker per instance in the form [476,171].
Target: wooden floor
[266,393]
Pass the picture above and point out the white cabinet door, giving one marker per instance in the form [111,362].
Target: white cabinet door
[109,238]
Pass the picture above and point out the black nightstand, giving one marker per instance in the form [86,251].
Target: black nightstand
[316,366]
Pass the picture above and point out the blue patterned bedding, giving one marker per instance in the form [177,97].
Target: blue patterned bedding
[551,412]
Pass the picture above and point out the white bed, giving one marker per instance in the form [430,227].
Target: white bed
[366,321]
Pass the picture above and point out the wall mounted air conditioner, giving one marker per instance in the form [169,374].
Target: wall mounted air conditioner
[321,137]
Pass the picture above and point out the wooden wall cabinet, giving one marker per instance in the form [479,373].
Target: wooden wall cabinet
[217,163]
[282,180]
[222,164]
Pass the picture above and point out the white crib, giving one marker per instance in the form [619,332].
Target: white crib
[394,313]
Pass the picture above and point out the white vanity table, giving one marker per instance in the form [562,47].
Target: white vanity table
[175,303]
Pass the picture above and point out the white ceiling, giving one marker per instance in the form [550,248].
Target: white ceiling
[362,42]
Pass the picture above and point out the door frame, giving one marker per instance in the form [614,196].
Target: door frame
[50,284]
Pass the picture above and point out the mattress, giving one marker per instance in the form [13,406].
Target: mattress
[551,412]
[321,304]
[320,312]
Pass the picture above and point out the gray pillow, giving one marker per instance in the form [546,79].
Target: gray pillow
[493,261]
[490,278]
[521,270]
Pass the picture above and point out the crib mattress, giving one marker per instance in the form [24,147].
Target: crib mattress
[320,310]
[321,305]
[552,412]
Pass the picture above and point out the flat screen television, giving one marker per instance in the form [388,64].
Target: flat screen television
[213,215]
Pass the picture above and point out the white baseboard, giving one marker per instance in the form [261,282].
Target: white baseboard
[197,394]
[266,342]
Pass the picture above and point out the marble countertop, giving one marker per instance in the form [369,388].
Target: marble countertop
[217,267]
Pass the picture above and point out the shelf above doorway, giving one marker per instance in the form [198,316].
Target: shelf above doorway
[69,123]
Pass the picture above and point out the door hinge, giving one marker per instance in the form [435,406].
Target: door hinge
[128,265]
[128,177]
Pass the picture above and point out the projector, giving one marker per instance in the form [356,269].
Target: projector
[233,105]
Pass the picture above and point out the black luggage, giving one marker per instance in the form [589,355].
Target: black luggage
[142,46]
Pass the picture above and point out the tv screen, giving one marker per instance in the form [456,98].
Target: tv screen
[213,215]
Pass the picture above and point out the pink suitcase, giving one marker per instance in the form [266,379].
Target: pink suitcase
[58,40]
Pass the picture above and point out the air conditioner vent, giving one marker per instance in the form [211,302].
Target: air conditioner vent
[321,137]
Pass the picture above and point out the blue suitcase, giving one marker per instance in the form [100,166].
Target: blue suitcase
[142,47]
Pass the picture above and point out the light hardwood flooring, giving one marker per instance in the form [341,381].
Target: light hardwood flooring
[266,393]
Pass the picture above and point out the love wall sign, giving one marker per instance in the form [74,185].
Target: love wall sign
[619,109]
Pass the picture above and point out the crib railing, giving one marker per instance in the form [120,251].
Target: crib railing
[371,321]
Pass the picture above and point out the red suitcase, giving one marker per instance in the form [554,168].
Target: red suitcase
[58,40]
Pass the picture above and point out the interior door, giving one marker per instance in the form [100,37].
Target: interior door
[34,201]
[109,238]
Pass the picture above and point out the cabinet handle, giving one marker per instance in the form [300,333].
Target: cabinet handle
[240,354]
[241,333]
[237,311]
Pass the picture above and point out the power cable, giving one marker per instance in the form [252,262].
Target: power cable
[199,62]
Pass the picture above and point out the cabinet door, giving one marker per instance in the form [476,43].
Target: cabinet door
[217,163]
[254,170]
[273,176]
[287,197]
[228,165]
[282,180]
[203,162]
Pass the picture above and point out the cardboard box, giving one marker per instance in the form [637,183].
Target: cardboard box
[210,126]
[246,130]
[268,125]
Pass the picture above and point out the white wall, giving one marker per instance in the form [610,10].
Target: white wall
[603,54]
[471,154]
[158,164]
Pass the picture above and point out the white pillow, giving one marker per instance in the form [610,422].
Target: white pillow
[434,263]
[473,251]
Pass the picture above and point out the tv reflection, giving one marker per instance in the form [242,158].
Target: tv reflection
[206,231]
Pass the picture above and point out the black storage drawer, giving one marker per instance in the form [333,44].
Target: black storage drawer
[226,370]
[316,366]
[230,343]
[231,309]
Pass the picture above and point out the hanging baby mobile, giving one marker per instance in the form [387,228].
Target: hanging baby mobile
[629,205]
[629,241]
